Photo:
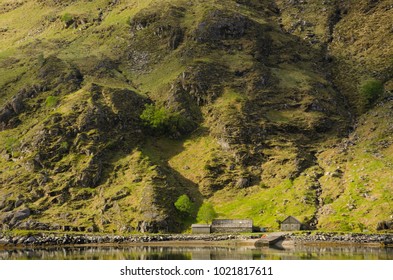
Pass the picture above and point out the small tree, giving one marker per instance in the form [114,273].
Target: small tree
[206,213]
[184,205]
[156,117]
[51,101]
[163,121]
[370,90]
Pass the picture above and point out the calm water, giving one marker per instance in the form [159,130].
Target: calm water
[198,253]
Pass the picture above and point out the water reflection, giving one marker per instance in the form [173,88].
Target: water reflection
[197,253]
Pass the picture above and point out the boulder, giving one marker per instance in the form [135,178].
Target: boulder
[6,114]
[17,104]
[18,203]
[30,240]
[243,182]
[385,225]
[20,215]
[5,218]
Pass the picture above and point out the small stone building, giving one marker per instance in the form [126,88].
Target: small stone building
[291,224]
[200,229]
[221,225]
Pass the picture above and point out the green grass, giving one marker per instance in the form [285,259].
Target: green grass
[194,154]
[11,143]
[51,101]
[264,206]
[291,76]
[364,198]
[7,76]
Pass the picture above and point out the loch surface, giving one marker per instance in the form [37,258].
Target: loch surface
[162,252]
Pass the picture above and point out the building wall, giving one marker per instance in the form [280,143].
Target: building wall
[233,223]
[228,229]
[227,225]
[200,230]
[290,227]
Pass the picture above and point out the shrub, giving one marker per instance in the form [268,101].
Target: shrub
[41,60]
[51,101]
[64,145]
[206,213]
[157,118]
[161,120]
[184,205]
[370,90]
[68,19]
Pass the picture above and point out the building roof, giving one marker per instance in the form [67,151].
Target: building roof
[200,226]
[291,220]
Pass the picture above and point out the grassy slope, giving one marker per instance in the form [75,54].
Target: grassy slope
[207,163]
[361,165]
[357,174]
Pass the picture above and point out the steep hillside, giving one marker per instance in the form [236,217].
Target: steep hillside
[111,110]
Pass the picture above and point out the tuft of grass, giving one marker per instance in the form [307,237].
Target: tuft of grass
[51,101]
[10,144]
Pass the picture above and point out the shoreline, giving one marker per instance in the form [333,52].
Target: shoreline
[330,238]
[42,240]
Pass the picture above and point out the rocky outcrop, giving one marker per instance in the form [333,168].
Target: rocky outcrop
[201,82]
[155,31]
[56,73]
[11,219]
[219,25]
[10,111]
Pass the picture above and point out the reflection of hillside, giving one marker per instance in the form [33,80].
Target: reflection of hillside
[198,253]
[358,253]
[222,254]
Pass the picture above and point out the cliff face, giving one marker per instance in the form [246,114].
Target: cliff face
[111,110]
